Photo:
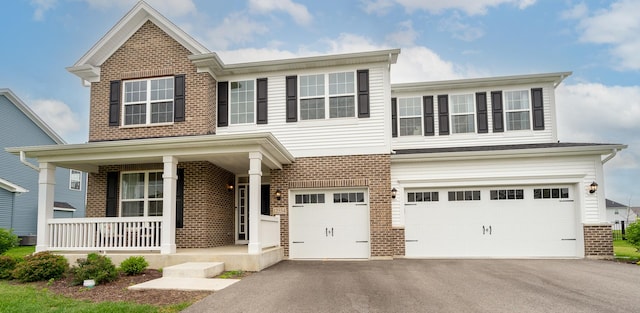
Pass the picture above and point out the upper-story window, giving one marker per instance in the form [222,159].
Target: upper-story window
[462,114]
[517,110]
[338,99]
[75,180]
[148,101]
[242,102]
[410,114]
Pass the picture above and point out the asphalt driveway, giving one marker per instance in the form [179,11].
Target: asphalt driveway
[433,286]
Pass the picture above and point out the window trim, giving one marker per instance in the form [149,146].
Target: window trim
[148,102]
[474,114]
[506,111]
[327,96]
[71,180]
[145,199]
[420,115]
[255,102]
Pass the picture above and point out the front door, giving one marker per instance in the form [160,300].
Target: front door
[242,211]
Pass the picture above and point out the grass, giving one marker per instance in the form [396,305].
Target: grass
[624,250]
[231,274]
[25,298]
[20,251]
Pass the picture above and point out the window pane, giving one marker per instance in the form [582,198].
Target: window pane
[462,104]
[133,208]
[133,186]
[411,197]
[155,185]
[242,102]
[311,109]
[452,196]
[162,89]
[411,126]
[135,114]
[516,100]
[162,112]
[312,85]
[434,196]
[342,107]
[135,91]
[341,83]
[517,120]
[463,124]
[155,208]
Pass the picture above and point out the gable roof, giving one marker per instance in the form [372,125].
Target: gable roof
[613,204]
[11,187]
[88,66]
[31,115]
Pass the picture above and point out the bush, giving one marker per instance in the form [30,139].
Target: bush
[95,266]
[8,240]
[41,266]
[133,265]
[633,234]
[7,266]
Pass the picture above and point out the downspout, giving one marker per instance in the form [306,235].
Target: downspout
[24,161]
[610,156]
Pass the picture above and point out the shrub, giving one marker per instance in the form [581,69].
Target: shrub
[633,234]
[8,240]
[95,266]
[133,265]
[41,266]
[7,266]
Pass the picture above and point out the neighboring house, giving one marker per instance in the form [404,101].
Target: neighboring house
[320,156]
[617,212]
[19,126]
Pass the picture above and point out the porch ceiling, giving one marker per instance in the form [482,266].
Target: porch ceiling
[227,151]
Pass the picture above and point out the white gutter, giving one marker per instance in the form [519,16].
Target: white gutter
[24,161]
[610,156]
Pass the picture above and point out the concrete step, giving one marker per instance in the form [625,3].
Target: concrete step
[194,270]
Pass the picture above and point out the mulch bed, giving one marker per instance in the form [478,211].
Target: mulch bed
[117,291]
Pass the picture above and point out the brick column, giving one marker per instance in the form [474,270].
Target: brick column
[598,241]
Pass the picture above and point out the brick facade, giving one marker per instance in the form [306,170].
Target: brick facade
[209,211]
[368,171]
[398,242]
[598,241]
[150,52]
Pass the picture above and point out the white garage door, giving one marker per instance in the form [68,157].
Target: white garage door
[329,224]
[532,221]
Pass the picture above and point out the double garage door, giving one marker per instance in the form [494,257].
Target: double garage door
[503,222]
[329,224]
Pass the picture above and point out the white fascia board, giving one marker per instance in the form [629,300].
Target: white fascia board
[31,115]
[554,78]
[509,153]
[11,187]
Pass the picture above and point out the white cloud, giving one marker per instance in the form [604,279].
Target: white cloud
[380,7]
[474,7]
[168,7]
[454,24]
[237,28]
[617,26]
[297,11]
[57,115]
[42,6]
[406,36]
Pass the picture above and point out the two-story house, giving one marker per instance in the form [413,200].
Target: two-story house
[318,157]
[19,125]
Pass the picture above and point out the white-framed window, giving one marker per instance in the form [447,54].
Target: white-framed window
[517,110]
[242,102]
[410,115]
[75,180]
[141,194]
[148,101]
[333,93]
[463,114]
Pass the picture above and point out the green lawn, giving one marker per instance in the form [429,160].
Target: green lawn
[20,251]
[624,250]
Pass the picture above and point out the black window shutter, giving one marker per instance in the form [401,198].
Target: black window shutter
[180,199]
[429,117]
[262,101]
[363,93]
[223,104]
[114,103]
[178,98]
[292,98]
[496,111]
[443,114]
[481,111]
[538,109]
[265,205]
[112,194]
[394,117]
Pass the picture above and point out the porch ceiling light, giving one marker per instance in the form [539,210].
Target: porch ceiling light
[593,187]
[278,194]
[230,187]
[394,192]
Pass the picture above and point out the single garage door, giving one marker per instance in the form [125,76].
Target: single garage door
[329,224]
[520,221]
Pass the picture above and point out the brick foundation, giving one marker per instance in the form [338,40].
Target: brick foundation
[598,241]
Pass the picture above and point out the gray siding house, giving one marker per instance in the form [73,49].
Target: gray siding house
[19,126]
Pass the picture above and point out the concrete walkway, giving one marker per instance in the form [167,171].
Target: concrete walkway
[192,284]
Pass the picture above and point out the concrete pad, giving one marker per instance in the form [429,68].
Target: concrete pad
[193,284]
[194,270]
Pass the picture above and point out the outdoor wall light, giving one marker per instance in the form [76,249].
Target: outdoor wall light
[278,194]
[394,192]
[230,187]
[593,187]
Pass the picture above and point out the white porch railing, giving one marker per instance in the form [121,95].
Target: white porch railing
[113,233]
[269,231]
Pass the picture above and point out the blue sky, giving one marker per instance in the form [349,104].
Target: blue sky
[440,39]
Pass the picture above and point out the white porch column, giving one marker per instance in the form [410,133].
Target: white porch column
[46,191]
[169,185]
[255,182]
